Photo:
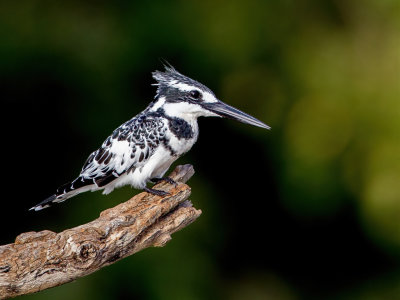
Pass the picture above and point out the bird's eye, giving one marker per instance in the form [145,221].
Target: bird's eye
[195,94]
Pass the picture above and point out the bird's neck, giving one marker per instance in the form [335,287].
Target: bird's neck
[182,125]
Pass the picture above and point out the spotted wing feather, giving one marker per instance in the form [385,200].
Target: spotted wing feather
[127,148]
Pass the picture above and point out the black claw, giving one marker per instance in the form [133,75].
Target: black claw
[156,192]
[155,180]
[170,181]
[166,179]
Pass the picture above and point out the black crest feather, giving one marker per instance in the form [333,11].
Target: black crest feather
[170,77]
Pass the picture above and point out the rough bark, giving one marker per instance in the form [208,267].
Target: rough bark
[45,259]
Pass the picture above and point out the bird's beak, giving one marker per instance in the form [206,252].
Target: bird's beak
[224,110]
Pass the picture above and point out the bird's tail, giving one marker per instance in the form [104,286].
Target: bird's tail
[65,192]
[45,203]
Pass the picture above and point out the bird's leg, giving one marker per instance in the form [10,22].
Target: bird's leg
[156,192]
[158,180]
[166,179]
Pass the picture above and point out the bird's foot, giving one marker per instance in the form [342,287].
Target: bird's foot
[166,179]
[156,192]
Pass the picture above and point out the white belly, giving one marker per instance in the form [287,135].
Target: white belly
[154,167]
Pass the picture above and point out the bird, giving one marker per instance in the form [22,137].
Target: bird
[141,150]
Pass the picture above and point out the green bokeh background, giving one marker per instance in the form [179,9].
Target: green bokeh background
[309,210]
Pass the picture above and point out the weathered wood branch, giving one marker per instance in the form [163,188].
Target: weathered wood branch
[45,259]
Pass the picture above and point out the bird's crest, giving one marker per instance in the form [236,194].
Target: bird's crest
[171,78]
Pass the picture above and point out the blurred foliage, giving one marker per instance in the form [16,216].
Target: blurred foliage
[324,181]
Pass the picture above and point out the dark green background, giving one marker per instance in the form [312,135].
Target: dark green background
[308,210]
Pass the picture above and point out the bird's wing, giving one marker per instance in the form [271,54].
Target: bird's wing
[127,148]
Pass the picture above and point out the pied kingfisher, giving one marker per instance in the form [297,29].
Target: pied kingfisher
[143,148]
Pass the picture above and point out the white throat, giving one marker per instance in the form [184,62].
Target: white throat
[183,110]
[186,111]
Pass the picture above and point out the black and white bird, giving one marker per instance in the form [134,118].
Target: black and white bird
[142,149]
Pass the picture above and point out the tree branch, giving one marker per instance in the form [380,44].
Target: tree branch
[41,260]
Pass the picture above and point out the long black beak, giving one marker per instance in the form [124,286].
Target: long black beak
[224,110]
